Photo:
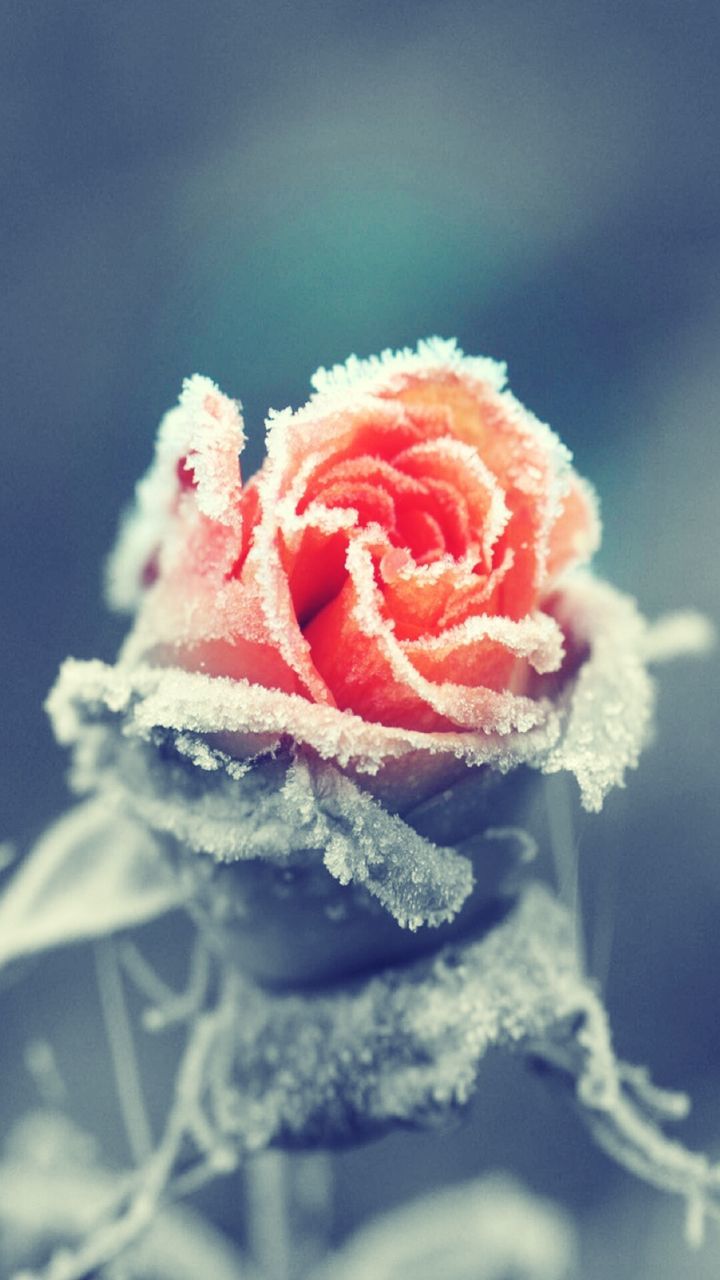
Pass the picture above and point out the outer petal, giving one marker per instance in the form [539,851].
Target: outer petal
[575,535]
[574,732]
[202,439]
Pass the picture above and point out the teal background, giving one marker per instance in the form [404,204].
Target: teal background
[252,191]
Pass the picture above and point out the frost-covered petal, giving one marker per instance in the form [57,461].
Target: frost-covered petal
[359,656]
[609,708]
[575,536]
[195,466]
[595,729]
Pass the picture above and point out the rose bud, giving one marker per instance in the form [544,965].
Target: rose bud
[345,674]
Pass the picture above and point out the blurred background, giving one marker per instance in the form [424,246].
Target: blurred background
[250,191]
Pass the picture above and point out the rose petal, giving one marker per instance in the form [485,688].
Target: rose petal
[205,433]
[368,670]
[575,535]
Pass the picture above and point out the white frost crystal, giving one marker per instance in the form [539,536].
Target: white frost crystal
[149,738]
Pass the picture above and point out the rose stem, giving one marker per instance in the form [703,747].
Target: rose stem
[604,915]
[289,1207]
[565,854]
[122,1050]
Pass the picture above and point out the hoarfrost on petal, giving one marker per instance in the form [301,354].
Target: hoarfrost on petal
[379,372]
[608,709]
[595,727]
[94,872]
[206,429]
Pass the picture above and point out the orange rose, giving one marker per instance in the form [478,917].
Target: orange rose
[331,645]
[396,556]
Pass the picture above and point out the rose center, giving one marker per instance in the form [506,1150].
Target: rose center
[418,511]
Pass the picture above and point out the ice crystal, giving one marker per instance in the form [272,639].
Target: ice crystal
[204,435]
[235,770]
[401,1047]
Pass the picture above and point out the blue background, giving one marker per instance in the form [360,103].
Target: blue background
[251,191]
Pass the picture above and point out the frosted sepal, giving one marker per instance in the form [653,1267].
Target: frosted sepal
[595,727]
[94,872]
[404,1047]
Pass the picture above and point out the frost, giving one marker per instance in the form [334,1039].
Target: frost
[682,632]
[402,1047]
[382,371]
[596,729]
[280,809]
[205,428]
[53,1191]
[487,1229]
[94,872]
[209,761]
[609,709]
[417,882]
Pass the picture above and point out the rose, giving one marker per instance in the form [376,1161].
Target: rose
[394,597]
[395,557]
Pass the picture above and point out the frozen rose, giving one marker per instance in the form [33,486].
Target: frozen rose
[390,594]
[395,557]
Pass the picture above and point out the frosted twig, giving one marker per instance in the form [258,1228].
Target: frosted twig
[122,1050]
[268,1215]
[140,1197]
[146,978]
[565,855]
[168,1006]
[621,1108]
[8,855]
[604,917]
[182,1007]
[42,1066]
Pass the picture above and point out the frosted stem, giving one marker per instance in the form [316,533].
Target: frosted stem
[623,1111]
[289,1204]
[122,1050]
[565,854]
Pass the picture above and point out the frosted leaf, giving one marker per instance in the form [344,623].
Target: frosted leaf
[417,882]
[404,1047]
[487,1229]
[95,871]
[678,633]
[401,1047]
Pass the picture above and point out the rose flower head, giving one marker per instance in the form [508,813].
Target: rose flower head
[394,558]
[342,657]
